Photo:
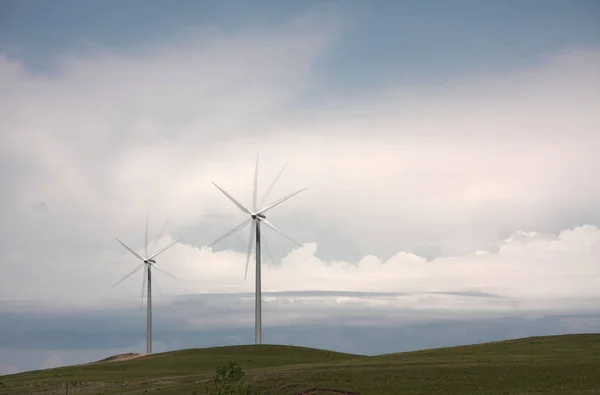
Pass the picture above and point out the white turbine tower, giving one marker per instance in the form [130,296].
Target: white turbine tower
[148,262]
[257,217]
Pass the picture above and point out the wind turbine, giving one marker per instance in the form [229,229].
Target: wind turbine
[256,218]
[148,262]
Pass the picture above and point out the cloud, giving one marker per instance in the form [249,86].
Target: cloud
[530,269]
[114,136]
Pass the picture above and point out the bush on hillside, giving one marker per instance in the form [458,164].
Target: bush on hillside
[228,381]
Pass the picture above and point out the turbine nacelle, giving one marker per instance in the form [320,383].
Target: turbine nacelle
[259,216]
[147,259]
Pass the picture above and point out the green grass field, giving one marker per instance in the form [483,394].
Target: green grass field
[568,365]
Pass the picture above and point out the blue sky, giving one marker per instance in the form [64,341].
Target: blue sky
[449,151]
[408,41]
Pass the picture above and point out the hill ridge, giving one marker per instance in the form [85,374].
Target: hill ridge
[561,364]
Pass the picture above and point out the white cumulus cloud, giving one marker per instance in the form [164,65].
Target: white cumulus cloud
[411,189]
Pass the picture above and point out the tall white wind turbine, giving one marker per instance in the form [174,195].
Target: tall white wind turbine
[256,218]
[148,262]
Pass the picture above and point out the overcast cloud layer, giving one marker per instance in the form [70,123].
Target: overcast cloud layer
[474,198]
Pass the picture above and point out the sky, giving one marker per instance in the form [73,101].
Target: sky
[450,153]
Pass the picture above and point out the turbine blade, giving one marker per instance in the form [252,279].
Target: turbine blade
[254,194]
[138,256]
[240,205]
[121,262]
[144,286]
[250,245]
[268,192]
[278,202]
[270,225]
[232,231]
[164,249]
[162,231]
[128,274]
[156,288]
[146,238]
[220,216]
[263,243]
[164,271]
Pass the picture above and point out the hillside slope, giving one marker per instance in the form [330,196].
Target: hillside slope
[568,364]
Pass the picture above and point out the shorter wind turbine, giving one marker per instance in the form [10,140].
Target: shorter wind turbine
[256,217]
[148,262]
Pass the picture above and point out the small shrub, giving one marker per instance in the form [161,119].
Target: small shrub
[228,381]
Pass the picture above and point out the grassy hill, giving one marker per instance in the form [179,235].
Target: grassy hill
[568,365]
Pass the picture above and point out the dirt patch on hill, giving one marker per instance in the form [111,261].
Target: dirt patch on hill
[122,357]
[326,391]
